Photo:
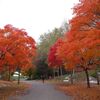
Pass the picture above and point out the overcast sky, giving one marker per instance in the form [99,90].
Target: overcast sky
[36,16]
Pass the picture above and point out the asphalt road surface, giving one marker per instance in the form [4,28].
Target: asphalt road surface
[40,91]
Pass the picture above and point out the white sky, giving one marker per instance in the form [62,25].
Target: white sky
[36,16]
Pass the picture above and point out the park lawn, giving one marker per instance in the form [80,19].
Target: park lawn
[11,88]
[80,91]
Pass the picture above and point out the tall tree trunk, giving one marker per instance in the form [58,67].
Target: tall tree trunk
[19,78]
[58,73]
[61,73]
[19,75]
[87,76]
[54,73]
[71,79]
[9,74]
[97,76]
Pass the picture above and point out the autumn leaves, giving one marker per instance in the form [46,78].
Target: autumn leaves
[80,47]
[17,49]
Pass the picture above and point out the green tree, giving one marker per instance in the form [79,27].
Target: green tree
[43,47]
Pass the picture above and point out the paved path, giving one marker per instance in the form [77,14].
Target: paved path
[40,91]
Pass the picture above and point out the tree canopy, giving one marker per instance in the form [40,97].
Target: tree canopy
[17,49]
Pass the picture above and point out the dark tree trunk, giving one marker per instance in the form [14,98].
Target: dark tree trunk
[19,77]
[9,74]
[54,73]
[87,76]
[61,73]
[71,78]
[58,72]
[98,83]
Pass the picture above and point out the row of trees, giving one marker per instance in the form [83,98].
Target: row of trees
[17,50]
[79,49]
[46,41]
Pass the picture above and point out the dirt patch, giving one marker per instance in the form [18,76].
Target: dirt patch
[11,88]
[81,92]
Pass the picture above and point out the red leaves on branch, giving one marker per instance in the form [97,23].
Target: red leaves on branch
[17,49]
[52,56]
[81,45]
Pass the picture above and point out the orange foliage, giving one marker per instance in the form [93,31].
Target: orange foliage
[81,47]
[17,49]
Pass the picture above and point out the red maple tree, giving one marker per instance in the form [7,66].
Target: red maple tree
[81,48]
[53,61]
[17,49]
